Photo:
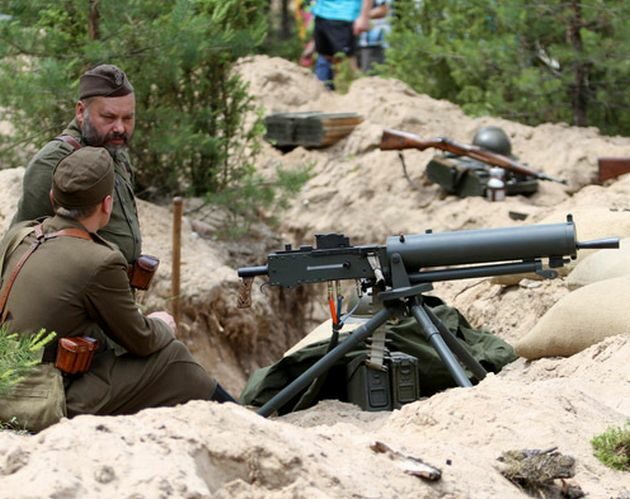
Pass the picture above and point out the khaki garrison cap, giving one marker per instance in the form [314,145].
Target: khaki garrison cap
[84,178]
[105,80]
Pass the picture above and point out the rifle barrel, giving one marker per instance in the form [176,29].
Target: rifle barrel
[246,272]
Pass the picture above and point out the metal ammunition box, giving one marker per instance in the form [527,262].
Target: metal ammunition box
[403,369]
[367,387]
[468,177]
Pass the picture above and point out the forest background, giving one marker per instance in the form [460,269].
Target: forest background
[531,62]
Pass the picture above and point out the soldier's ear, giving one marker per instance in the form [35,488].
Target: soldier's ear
[79,109]
[108,205]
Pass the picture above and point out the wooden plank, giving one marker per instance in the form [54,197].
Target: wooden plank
[612,167]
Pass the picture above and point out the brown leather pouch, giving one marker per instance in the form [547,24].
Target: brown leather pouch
[74,355]
[142,271]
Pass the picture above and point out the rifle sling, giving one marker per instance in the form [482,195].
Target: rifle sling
[40,238]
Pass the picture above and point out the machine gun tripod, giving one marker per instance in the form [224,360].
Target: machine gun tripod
[404,302]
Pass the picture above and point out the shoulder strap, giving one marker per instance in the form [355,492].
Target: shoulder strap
[69,139]
[40,238]
[11,245]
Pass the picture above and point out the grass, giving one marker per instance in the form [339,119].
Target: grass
[613,447]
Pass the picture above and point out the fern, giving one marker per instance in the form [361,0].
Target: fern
[18,353]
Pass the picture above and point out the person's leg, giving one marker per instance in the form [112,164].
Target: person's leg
[325,52]
[332,40]
[323,71]
[127,384]
[220,395]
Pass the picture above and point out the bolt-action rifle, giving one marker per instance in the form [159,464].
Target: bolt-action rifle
[396,140]
[405,267]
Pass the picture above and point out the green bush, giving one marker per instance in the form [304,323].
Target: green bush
[613,447]
[270,194]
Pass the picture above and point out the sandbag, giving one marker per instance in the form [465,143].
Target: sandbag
[580,319]
[601,265]
[37,401]
[591,222]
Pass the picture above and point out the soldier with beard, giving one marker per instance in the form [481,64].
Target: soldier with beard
[105,117]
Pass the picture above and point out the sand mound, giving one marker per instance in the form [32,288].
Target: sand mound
[203,449]
[207,450]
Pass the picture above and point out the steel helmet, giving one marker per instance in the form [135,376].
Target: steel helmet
[494,139]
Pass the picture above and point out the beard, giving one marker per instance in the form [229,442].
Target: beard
[93,138]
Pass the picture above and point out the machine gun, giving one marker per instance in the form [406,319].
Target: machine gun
[400,271]
[398,140]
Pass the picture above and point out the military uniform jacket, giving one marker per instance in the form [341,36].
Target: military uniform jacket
[123,228]
[78,287]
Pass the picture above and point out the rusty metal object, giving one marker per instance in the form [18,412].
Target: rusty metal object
[612,167]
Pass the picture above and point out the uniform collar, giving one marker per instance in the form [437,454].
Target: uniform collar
[57,222]
[74,130]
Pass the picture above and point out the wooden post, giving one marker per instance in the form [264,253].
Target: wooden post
[176,257]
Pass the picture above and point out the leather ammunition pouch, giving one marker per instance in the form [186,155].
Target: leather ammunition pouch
[142,271]
[74,355]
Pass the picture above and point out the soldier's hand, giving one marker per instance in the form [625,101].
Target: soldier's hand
[164,316]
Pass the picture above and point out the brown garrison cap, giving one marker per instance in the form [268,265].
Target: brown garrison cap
[105,80]
[84,178]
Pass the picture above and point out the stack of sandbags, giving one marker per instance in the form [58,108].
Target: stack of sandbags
[580,319]
[601,265]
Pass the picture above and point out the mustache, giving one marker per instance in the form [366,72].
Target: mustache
[117,135]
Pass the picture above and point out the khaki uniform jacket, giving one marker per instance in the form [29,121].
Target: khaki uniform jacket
[78,287]
[123,229]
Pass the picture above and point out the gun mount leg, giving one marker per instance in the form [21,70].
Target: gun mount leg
[462,354]
[327,361]
[433,336]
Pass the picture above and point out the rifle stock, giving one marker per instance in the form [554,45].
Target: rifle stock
[398,140]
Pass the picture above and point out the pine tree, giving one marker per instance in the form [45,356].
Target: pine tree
[528,61]
[179,55]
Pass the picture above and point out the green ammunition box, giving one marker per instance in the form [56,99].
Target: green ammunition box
[367,387]
[467,177]
[403,370]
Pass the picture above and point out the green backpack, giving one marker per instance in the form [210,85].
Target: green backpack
[402,336]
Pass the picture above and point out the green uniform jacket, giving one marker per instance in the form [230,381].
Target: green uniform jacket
[123,228]
[77,287]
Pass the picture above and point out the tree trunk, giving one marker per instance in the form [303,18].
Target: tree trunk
[285,27]
[93,20]
[579,87]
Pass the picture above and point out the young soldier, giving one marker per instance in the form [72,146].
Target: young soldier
[75,283]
